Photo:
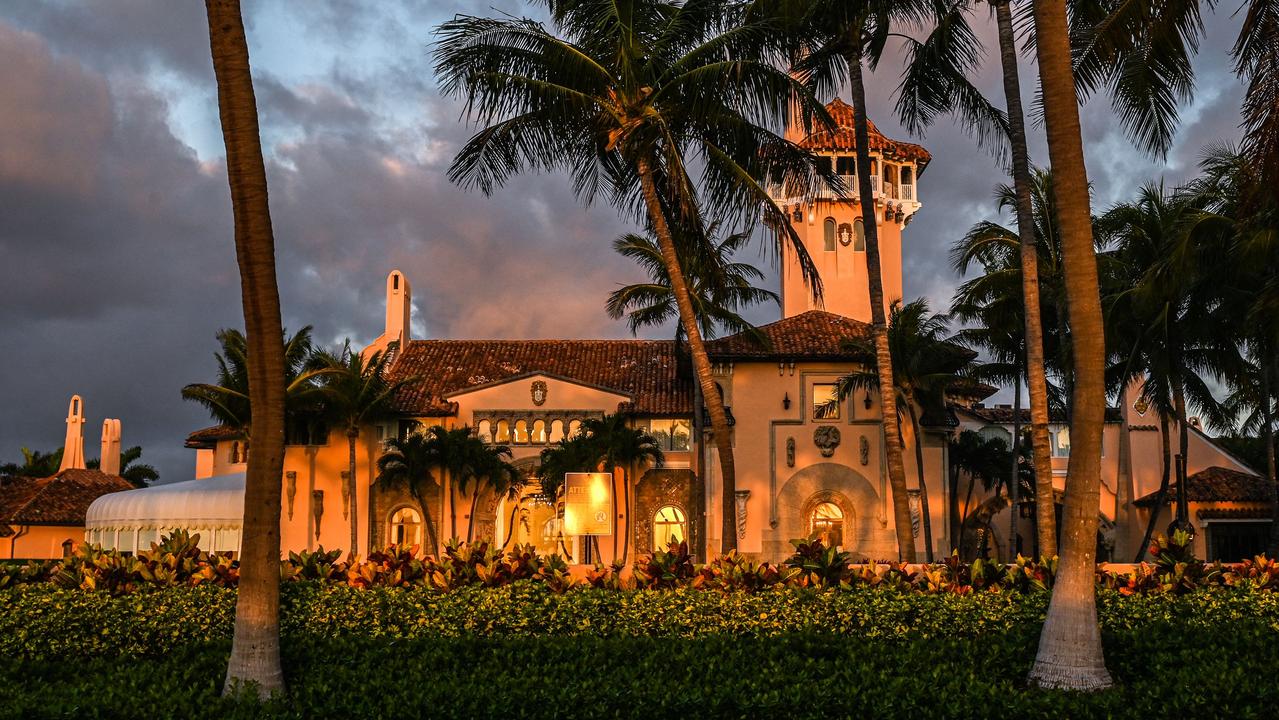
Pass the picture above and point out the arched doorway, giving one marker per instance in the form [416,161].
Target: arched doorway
[829,497]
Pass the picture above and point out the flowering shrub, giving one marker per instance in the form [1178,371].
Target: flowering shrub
[178,560]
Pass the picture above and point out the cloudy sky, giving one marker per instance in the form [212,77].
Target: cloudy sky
[116,258]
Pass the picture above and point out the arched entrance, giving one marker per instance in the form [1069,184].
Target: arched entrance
[826,497]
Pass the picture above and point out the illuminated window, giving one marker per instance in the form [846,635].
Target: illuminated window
[574,428]
[669,525]
[829,237]
[671,434]
[859,235]
[539,432]
[557,431]
[406,527]
[825,402]
[826,522]
[485,431]
[521,431]
[503,432]
[1060,440]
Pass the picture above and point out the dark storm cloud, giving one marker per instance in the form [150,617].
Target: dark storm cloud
[115,226]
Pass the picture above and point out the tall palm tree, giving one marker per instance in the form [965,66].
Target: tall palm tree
[925,368]
[462,458]
[623,96]
[255,645]
[407,462]
[570,455]
[228,398]
[1070,653]
[619,445]
[936,81]
[492,469]
[355,392]
[981,459]
[996,301]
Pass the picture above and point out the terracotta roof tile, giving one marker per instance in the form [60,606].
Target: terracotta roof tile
[1217,484]
[645,370]
[207,436]
[843,138]
[62,499]
[1003,414]
[1249,513]
[813,335]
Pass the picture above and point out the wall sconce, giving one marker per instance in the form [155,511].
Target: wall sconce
[781,368]
[786,401]
[317,510]
[888,214]
[866,402]
[899,215]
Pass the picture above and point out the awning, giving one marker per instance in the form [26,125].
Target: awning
[132,520]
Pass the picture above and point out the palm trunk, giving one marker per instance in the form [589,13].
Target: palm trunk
[353,434]
[1183,447]
[1070,653]
[510,525]
[254,664]
[956,528]
[1162,495]
[1014,482]
[1124,494]
[470,520]
[1267,417]
[626,505]
[879,323]
[699,499]
[452,491]
[1036,374]
[926,517]
[697,350]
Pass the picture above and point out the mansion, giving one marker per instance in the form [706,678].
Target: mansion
[801,468]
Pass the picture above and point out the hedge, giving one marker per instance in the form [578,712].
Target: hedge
[46,622]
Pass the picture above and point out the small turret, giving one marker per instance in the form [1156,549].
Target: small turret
[110,462]
[399,307]
[73,446]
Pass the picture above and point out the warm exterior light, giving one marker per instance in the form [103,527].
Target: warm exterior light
[786,401]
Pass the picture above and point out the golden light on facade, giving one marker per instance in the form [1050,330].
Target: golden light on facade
[588,504]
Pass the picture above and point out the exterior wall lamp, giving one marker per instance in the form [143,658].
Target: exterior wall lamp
[786,401]
[866,402]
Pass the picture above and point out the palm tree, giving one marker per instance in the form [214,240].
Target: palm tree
[996,302]
[836,40]
[936,81]
[355,392]
[407,462]
[1174,335]
[462,458]
[622,99]
[34,464]
[570,455]
[719,287]
[255,647]
[925,368]
[980,458]
[138,474]
[619,445]
[1070,653]
[227,398]
[492,468]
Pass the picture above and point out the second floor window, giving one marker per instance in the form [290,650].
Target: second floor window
[825,402]
[671,434]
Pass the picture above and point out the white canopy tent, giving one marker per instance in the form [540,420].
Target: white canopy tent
[130,521]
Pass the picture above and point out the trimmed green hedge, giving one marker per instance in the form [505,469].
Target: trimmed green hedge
[45,622]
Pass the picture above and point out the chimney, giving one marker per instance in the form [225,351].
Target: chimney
[110,462]
[399,302]
[73,446]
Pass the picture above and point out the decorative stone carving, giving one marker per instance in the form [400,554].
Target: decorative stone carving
[741,497]
[346,493]
[845,234]
[538,392]
[790,452]
[1141,406]
[914,512]
[290,489]
[864,446]
[826,438]
[317,509]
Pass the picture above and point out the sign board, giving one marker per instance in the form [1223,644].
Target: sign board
[588,504]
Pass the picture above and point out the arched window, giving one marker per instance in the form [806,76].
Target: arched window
[521,431]
[859,235]
[485,431]
[557,431]
[539,432]
[574,427]
[827,523]
[669,525]
[235,453]
[829,237]
[405,527]
[503,432]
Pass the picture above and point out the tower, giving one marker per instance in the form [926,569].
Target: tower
[73,446]
[399,301]
[831,227]
[110,457]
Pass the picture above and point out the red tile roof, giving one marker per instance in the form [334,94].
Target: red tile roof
[1217,484]
[644,370]
[206,437]
[813,335]
[844,139]
[1003,414]
[62,499]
